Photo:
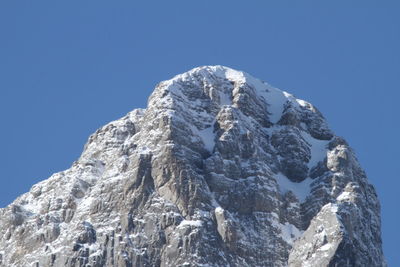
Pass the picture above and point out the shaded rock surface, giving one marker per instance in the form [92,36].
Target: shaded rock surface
[220,169]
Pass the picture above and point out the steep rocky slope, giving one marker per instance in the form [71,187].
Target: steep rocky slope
[220,169]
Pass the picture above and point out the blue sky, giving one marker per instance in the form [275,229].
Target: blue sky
[69,67]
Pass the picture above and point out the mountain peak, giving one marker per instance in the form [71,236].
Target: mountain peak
[221,169]
[226,86]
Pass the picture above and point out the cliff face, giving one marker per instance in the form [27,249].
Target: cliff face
[220,169]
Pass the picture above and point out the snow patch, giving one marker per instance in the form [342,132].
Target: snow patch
[325,247]
[195,223]
[300,190]
[289,232]
[233,75]
[344,196]
[276,100]
[333,207]
[302,103]
[208,137]
[144,150]
[319,149]
[219,210]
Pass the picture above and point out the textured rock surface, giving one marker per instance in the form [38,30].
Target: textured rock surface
[221,169]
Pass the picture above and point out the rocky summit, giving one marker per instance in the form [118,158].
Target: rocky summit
[221,169]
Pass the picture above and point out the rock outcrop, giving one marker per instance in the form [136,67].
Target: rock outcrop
[220,169]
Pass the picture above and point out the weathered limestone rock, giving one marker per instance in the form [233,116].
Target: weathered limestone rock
[220,169]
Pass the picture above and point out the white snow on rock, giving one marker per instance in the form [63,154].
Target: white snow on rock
[289,232]
[345,196]
[208,137]
[318,149]
[300,190]
[149,170]
[219,210]
[275,98]
[195,223]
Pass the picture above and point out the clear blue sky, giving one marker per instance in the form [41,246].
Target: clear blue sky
[69,67]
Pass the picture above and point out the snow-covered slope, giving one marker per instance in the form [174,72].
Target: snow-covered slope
[221,169]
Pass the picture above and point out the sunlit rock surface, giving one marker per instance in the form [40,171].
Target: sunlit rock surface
[220,169]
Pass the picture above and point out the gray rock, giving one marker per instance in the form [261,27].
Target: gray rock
[220,169]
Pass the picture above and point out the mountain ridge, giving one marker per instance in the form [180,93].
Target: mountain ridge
[220,169]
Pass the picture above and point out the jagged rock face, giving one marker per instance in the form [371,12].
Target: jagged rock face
[221,169]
